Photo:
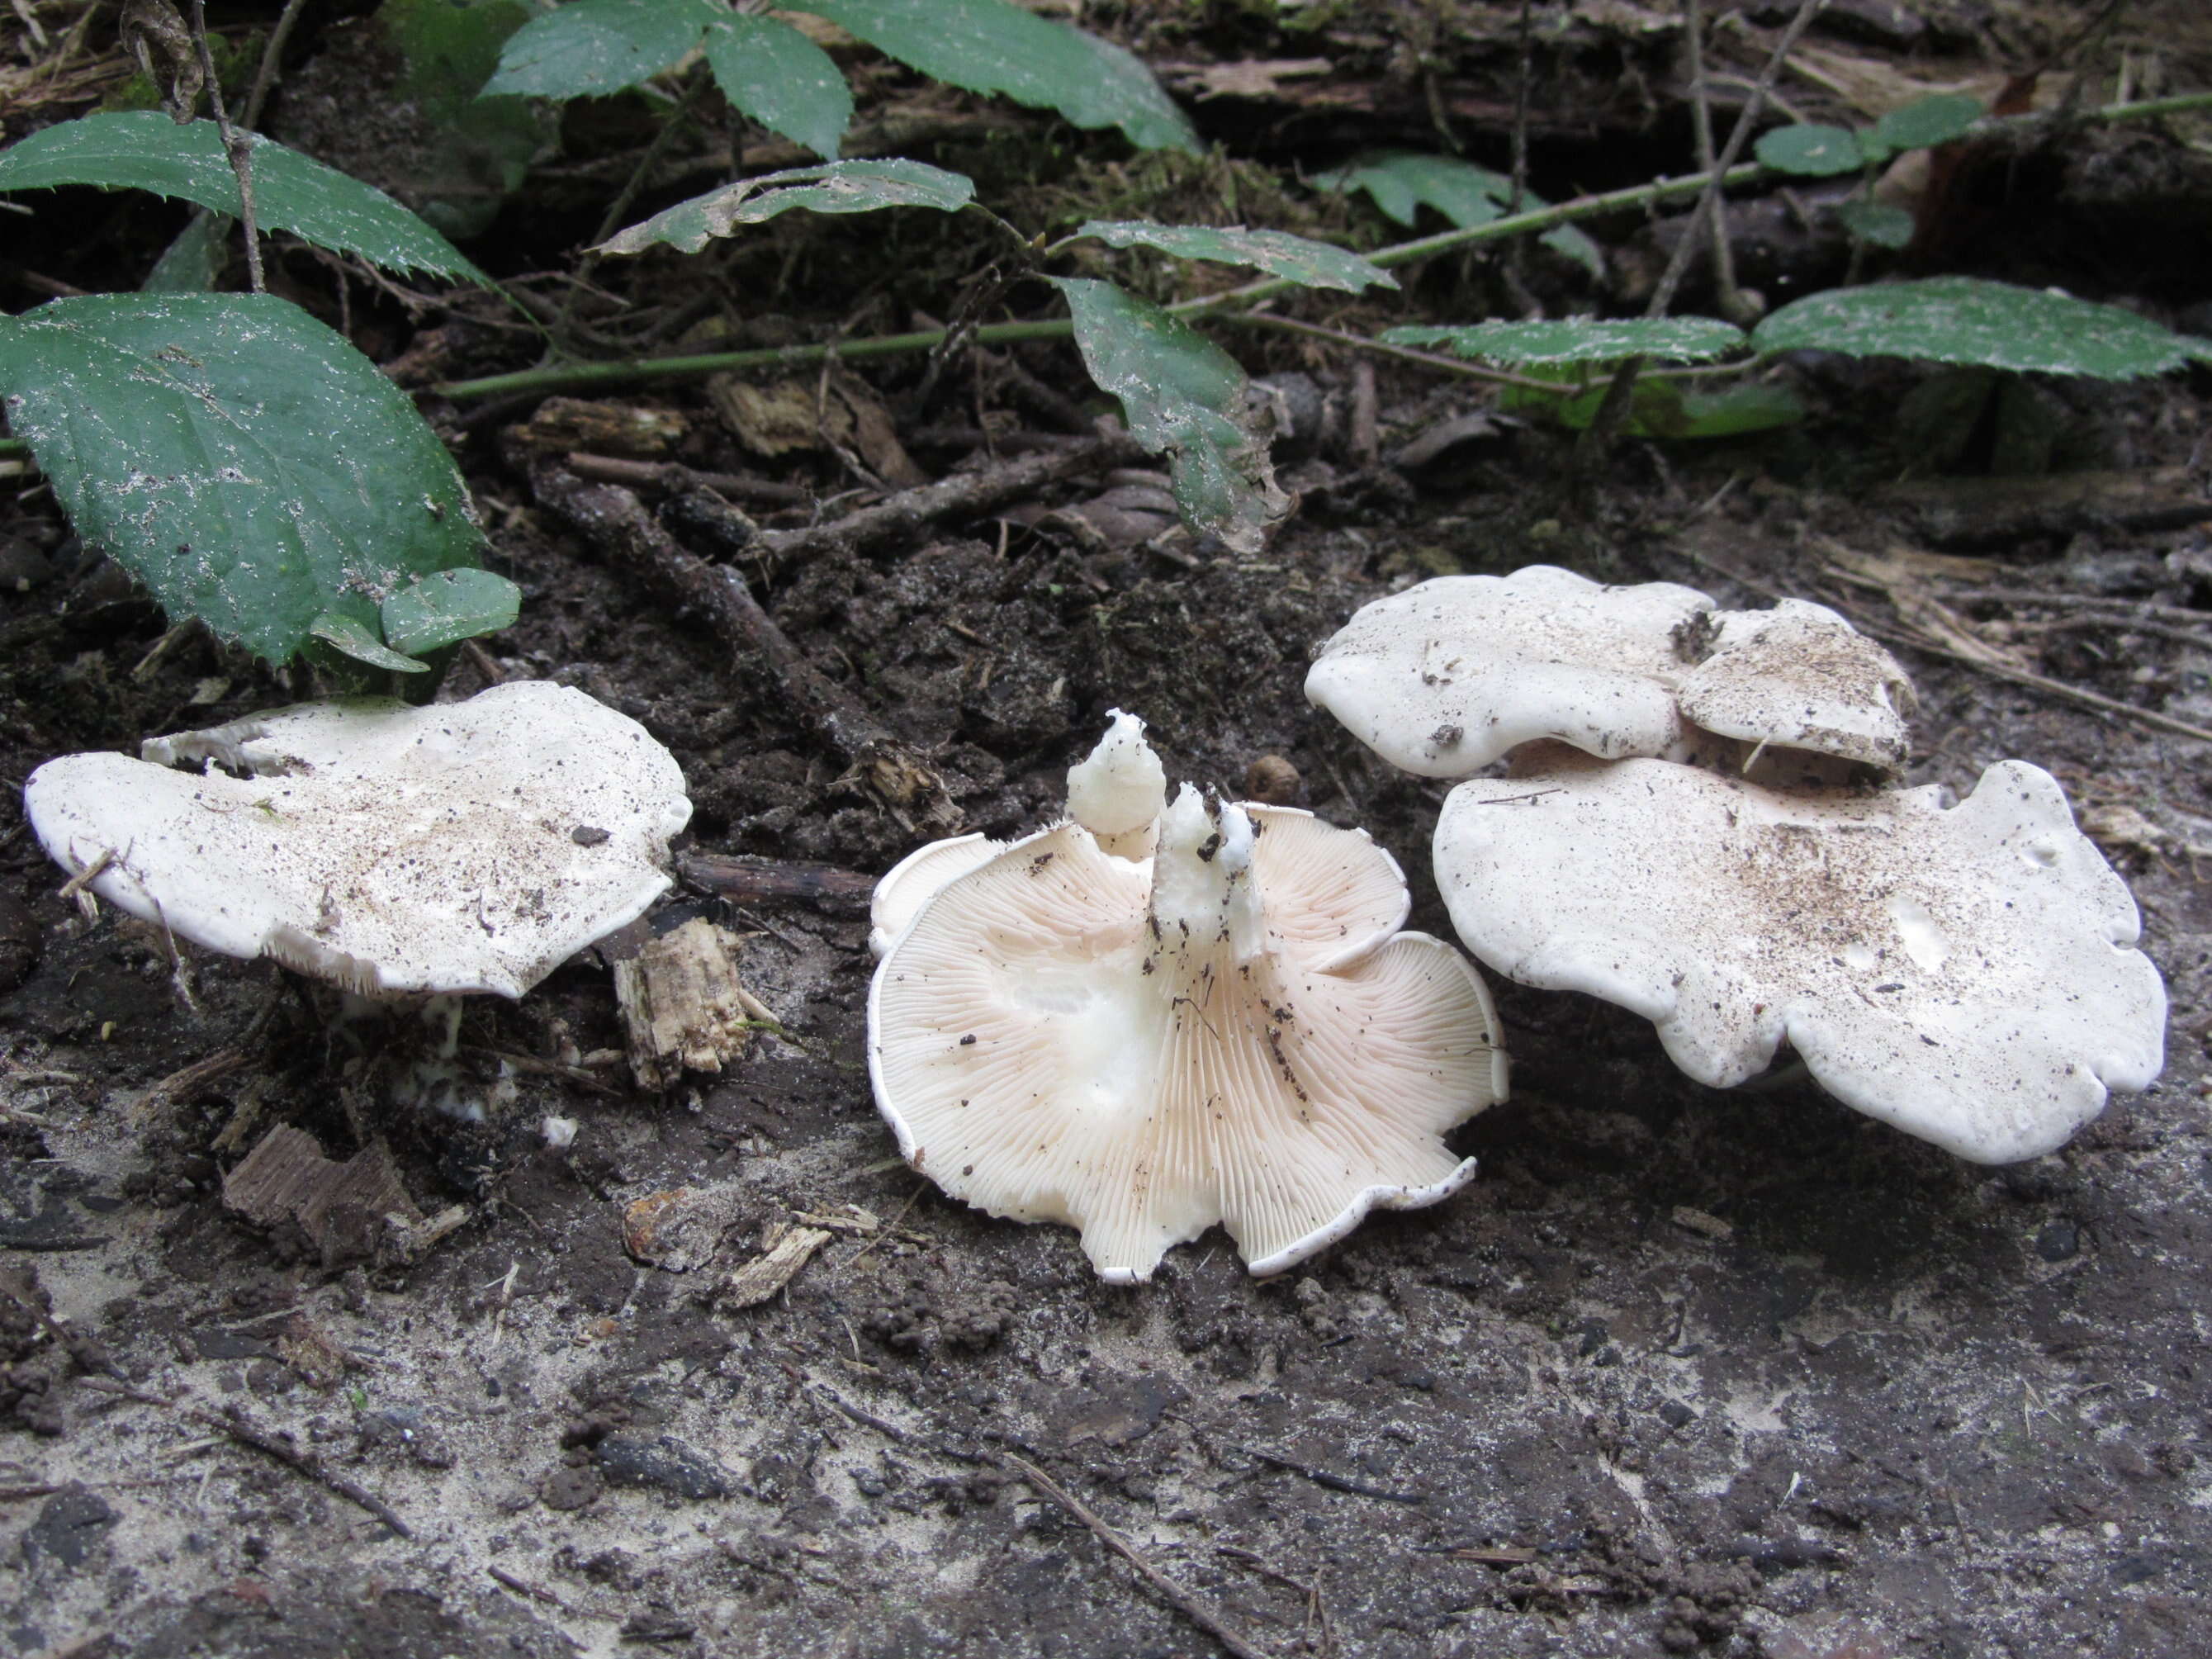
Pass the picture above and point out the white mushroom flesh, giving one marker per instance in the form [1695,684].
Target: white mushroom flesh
[388,849]
[1964,974]
[1230,1031]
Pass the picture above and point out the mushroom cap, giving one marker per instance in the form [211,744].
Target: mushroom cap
[907,885]
[1062,1034]
[1962,973]
[389,848]
[1801,676]
[1446,677]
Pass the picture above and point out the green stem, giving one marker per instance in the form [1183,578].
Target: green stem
[572,377]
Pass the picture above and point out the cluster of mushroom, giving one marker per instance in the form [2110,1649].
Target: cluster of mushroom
[1699,821]
[1160,1015]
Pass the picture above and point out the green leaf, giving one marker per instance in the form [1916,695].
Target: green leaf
[834,187]
[1880,223]
[447,49]
[1811,150]
[358,641]
[236,456]
[146,151]
[195,260]
[593,47]
[447,606]
[1186,398]
[1403,182]
[1935,120]
[1962,319]
[989,45]
[1582,339]
[1316,265]
[782,80]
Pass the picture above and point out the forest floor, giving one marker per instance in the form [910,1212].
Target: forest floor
[1683,1370]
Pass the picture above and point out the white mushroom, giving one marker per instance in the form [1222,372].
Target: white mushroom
[1444,678]
[387,848]
[1448,675]
[1231,1029]
[1963,974]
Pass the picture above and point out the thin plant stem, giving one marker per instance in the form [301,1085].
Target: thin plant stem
[272,64]
[236,145]
[1459,365]
[1701,118]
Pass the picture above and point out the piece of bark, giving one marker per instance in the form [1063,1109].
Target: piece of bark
[683,1227]
[682,1004]
[622,430]
[346,1210]
[769,1271]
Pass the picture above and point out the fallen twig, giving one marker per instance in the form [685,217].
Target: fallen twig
[899,517]
[235,1424]
[615,522]
[1199,1612]
[745,880]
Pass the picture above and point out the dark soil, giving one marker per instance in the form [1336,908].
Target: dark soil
[1684,1370]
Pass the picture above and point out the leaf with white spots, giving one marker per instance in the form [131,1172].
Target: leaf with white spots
[236,456]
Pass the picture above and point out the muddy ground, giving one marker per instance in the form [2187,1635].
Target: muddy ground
[1684,1370]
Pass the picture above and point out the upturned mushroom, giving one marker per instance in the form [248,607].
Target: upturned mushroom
[1143,1022]
[1447,676]
[1964,973]
[384,849]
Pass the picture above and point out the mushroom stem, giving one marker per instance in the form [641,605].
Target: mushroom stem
[1205,891]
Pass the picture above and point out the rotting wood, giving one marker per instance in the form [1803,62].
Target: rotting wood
[615,524]
[347,1210]
[769,1271]
[682,1004]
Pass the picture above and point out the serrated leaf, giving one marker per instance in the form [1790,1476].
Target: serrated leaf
[1811,150]
[1581,339]
[447,606]
[355,638]
[1881,223]
[1316,265]
[235,455]
[1963,319]
[834,187]
[1935,120]
[782,80]
[146,151]
[1403,182]
[1185,398]
[989,45]
[592,47]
